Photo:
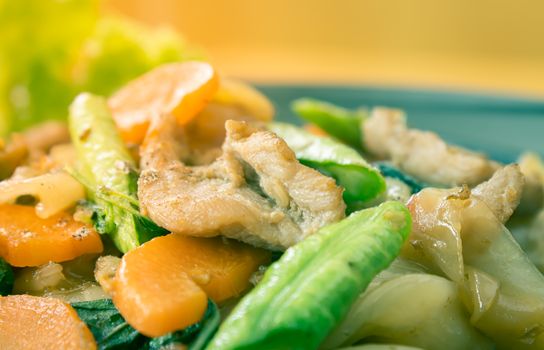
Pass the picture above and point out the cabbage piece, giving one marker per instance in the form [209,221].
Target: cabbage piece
[535,238]
[414,309]
[458,236]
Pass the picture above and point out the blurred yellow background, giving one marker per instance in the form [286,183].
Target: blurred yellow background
[494,45]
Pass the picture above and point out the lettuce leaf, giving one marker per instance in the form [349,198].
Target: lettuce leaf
[43,64]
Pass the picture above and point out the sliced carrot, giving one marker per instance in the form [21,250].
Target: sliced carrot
[163,285]
[157,302]
[222,268]
[28,322]
[27,240]
[182,89]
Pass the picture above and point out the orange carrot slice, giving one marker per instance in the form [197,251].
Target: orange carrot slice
[27,240]
[181,89]
[28,322]
[163,285]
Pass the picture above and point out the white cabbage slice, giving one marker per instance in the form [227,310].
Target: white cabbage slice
[415,309]
[458,236]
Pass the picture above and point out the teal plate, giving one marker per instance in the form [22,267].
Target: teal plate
[500,126]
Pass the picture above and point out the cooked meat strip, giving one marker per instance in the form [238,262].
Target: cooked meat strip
[422,154]
[46,135]
[256,191]
[12,154]
[502,192]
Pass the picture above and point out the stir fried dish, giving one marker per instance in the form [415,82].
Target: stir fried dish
[176,213]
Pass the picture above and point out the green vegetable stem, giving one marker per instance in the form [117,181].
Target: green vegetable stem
[342,123]
[108,171]
[307,292]
[361,181]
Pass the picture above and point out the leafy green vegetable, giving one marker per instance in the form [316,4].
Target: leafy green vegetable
[119,50]
[107,169]
[390,171]
[343,124]
[109,328]
[36,50]
[6,278]
[43,65]
[308,291]
[111,331]
[212,319]
[360,180]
